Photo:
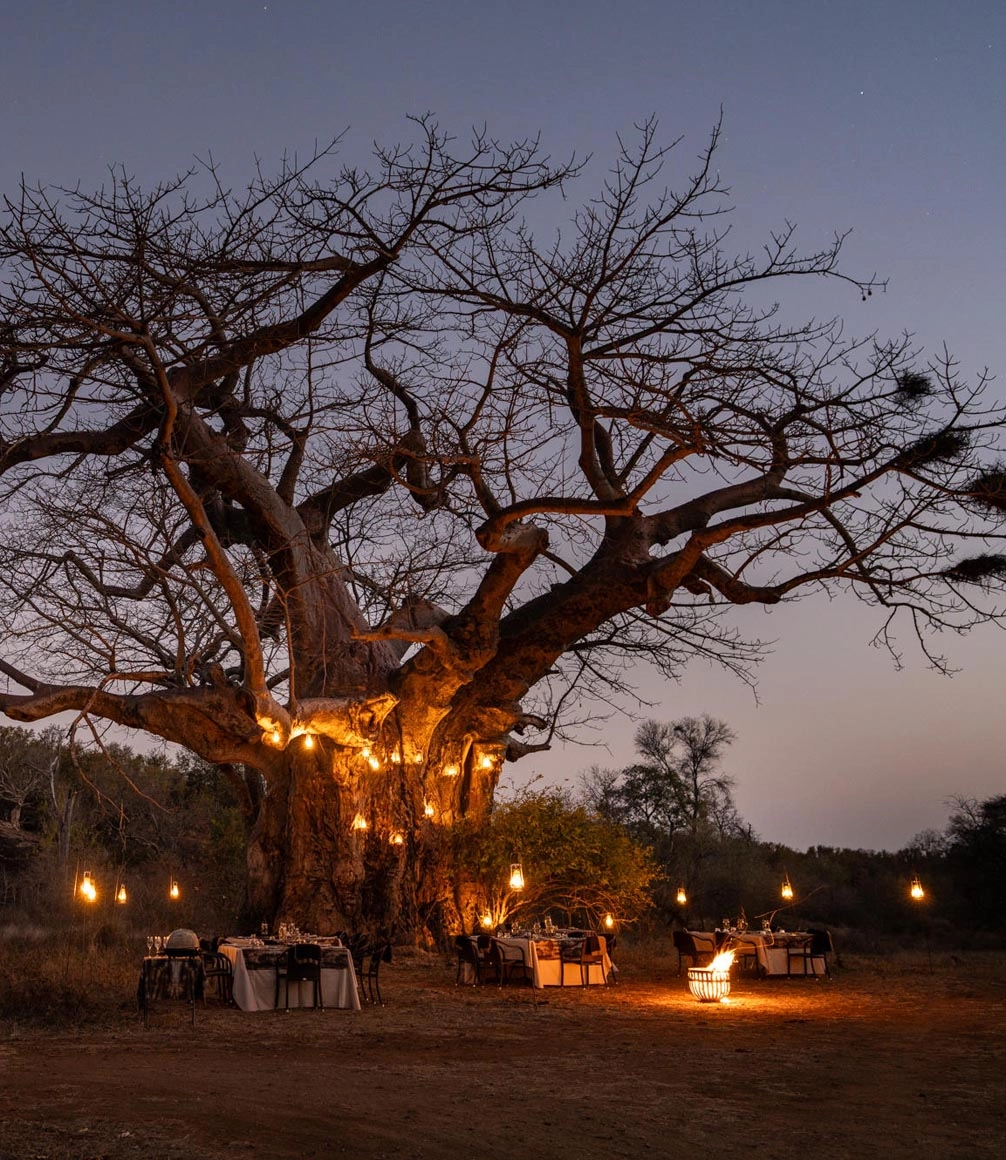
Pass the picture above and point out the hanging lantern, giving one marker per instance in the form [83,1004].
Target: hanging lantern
[681,897]
[609,922]
[450,771]
[359,823]
[365,752]
[428,809]
[308,740]
[418,758]
[173,891]
[87,887]
[486,762]
[276,737]
[120,895]
[397,838]
[516,876]
[374,763]
[787,889]
[916,890]
[487,920]
[396,758]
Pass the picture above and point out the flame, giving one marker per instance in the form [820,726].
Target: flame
[121,896]
[723,961]
[173,890]
[308,740]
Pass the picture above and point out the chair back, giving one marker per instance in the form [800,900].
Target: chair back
[820,943]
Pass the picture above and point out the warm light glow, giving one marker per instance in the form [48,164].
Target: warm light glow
[450,771]
[121,895]
[709,984]
[516,876]
[418,759]
[359,822]
[365,751]
[712,984]
[308,740]
[173,891]
[428,809]
[397,838]
[396,758]
[787,889]
[917,892]
[681,897]
[276,737]
[487,920]
[87,887]
[486,762]
[374,763]
[609,922]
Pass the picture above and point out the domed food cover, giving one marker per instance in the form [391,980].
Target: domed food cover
[182,940]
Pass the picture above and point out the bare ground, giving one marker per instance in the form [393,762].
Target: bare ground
[886,1059]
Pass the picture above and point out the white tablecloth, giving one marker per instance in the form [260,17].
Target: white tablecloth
[255,978]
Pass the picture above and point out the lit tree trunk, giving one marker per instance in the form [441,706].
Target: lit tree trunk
[338,844]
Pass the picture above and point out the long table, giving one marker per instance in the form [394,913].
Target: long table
[255,969]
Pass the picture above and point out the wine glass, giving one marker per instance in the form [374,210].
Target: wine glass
[150,944]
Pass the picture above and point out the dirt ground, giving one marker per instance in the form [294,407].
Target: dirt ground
[886,1059]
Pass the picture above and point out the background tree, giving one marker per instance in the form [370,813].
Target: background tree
[354,487]
[678,800]
[577,865]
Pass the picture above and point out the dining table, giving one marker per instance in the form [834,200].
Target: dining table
[771,951]
[552,958]
[255,964]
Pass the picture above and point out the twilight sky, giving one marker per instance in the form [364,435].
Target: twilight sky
[883,117]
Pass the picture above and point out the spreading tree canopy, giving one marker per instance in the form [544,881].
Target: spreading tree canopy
[354,484]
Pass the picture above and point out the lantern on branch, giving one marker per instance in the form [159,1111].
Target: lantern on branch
[516,876]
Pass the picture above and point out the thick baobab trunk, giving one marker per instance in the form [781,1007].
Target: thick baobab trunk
[341,845]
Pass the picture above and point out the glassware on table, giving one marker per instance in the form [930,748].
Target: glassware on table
[150,944]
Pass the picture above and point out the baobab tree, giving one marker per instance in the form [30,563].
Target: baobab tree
[352,485]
